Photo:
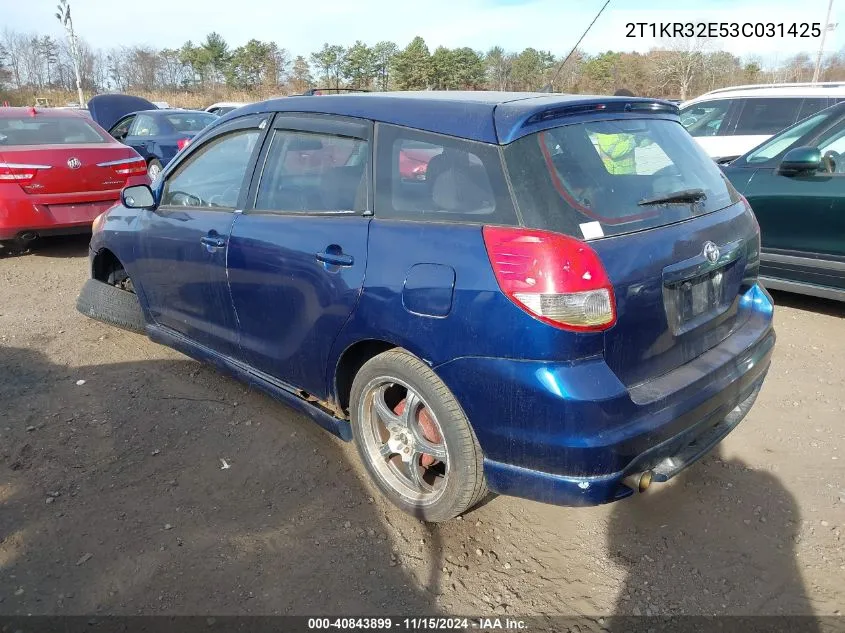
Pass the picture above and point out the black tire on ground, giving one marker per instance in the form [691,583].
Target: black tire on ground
[465,485]
[13,247]
[111,305]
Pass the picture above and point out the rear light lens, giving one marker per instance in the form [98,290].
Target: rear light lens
[182,143]
[127,166]
[136,167]
[19,172]
[558,279]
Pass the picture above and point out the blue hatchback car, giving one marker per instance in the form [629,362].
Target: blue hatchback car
[562,305]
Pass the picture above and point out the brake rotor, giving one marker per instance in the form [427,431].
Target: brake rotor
[429,431]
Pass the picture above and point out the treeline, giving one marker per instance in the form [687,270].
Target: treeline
[31,63]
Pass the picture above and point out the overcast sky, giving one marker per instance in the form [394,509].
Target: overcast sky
[514,24]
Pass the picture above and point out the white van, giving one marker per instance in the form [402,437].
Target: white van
[730,121]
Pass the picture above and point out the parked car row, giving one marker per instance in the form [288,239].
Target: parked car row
[61,167]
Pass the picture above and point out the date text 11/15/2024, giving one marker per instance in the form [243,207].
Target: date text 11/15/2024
[418,624]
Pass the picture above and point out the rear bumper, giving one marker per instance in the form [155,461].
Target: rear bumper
[50,215]
[568,433]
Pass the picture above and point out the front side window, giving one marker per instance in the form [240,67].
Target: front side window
[306,172]
[767,116]
[144,125]
[213,175]
[832,148]
[605,178]
[705,119]
[426,176]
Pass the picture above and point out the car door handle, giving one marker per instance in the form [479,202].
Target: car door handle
[335,259]
[213,242]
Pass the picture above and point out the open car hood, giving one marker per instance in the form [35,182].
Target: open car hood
[106,110]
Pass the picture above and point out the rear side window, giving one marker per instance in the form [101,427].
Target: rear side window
[41,130]
[306,172]
[810,106]
[603,178]
[425,176]
[767,116]
[705,119]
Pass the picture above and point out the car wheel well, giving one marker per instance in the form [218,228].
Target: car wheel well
[109,269]
[350,362]
[105,263]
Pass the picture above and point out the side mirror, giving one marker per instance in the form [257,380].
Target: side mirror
[800,159]
[138,197]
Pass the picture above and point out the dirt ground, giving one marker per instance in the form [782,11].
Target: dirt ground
[113,498]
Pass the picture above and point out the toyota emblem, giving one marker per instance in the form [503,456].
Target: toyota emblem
[711,252]
[74,163]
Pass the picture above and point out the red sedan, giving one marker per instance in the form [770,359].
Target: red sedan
[58,171]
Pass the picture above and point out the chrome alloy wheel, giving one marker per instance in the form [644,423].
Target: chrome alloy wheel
[404,440]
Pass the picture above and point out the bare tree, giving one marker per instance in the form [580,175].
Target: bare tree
[680,64]
[63,16]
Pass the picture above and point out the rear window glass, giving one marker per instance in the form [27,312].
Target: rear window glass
[424,176]
[603,178]
[41,130]
[190,122]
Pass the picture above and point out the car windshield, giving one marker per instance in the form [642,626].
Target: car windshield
[780,143]
[606,178]
[190,121]
[46,130]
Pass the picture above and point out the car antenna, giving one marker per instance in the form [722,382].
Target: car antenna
[548,86]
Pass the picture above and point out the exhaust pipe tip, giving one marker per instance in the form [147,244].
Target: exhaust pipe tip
[27,236]
[639,482]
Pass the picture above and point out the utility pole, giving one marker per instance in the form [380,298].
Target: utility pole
[827,27]
[63,16]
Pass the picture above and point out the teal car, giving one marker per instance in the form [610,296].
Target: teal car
[795,183]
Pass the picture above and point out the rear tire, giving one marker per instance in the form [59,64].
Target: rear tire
[441,474]
[111,305]
[13,247]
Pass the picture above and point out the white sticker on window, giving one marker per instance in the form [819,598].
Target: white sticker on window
[591,230]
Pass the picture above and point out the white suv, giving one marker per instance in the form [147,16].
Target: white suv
[730,121]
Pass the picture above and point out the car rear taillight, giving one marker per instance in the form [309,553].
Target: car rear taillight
[19,172]
[556,278]
[182,143]
[134,166]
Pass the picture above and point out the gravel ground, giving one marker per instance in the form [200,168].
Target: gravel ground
[114,497]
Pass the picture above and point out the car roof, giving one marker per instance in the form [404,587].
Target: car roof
[487,116]
[824,89]
[16,112]
[225,104]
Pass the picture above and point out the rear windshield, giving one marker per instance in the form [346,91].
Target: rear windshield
[190,122]
[42,130]
[606,178]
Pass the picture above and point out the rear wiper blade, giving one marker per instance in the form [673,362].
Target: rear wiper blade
[685,195]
